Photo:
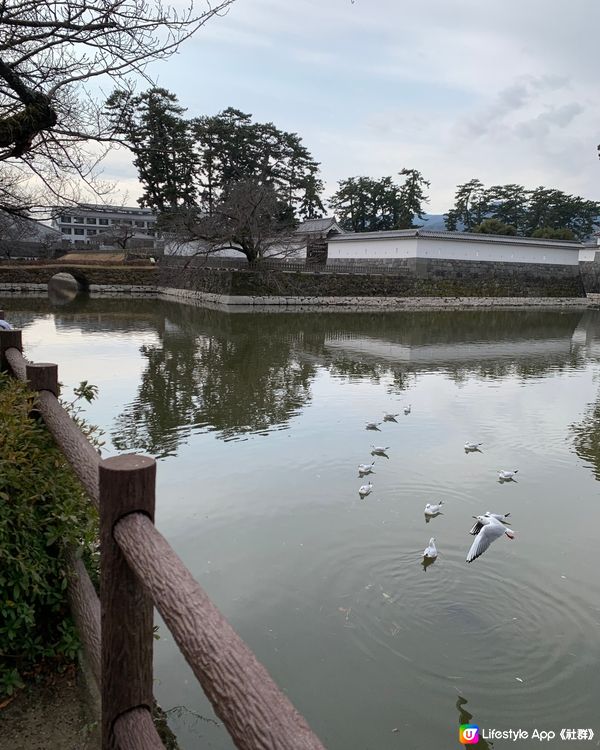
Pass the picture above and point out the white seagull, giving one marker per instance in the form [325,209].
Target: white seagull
[433,510]
[390,417]
[431,550]
[507,476]
[502,517]
[365,490]
[407,409]
[373,426]
[364,469]
[491,529]
[379,450]
[472,446]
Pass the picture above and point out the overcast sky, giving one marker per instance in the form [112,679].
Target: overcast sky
[502,90]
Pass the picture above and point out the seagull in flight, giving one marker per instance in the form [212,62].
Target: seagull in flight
[502,517]
[491,529]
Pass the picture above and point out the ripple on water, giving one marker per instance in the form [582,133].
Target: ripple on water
[488,626]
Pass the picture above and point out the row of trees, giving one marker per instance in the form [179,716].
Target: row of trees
[184,163]
[514,209]
[363,204]
[229,181]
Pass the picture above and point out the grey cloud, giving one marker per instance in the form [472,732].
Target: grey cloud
[541,125]
[508,101]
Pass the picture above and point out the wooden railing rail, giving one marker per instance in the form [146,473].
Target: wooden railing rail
[253,709]
[139,570]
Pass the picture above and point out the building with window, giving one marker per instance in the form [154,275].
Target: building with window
[83,223]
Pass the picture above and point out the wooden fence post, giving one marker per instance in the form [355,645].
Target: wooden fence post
[9,340]
[42,376]
[126,485]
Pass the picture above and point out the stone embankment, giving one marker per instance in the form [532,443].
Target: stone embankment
[433,283]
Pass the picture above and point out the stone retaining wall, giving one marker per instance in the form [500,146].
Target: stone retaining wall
[427,278]
[39,273]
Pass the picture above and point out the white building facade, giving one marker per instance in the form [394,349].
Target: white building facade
[397,247]
[82,224]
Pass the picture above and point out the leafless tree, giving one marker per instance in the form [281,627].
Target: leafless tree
[54,55]
[119,234]
[251,220]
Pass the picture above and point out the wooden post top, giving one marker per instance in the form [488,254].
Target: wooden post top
[42,376]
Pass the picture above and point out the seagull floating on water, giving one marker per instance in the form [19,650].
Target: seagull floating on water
[365,490]
[472,446]
[373,426]
[502,517]
[431,550]
[507,476]
[390,417]
[491,529]
[379,450]
[433,510]
[407,409]
[364,469]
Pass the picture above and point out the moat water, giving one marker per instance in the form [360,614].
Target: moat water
[258,424]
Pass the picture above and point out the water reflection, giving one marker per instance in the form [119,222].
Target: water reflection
[325,586]
[251,373]
[232,384]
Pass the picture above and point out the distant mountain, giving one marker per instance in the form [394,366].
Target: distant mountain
[432,222]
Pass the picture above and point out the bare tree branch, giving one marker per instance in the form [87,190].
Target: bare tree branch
[50,53]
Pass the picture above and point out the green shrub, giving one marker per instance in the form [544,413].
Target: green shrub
[43,512]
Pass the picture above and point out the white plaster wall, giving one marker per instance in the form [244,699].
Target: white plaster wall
[373,248]
[589,253]
[493,251]
[448,249]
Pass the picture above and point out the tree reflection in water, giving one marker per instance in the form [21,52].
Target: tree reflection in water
[248,373]
[235,385]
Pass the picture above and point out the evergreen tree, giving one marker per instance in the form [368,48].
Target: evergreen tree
[509,204]
[152,125]
[412,197]
[231,149]
[364,204]
[470,204]
[494,226]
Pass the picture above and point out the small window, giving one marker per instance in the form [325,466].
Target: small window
[65,219]
[66,230]
[90,221]
[91,231]
[78,231]
[78,219]
[139,223]
[102,221]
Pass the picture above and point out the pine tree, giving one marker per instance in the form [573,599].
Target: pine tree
[160,138]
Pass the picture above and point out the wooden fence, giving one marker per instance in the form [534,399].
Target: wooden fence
[274,264]
[138,571]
